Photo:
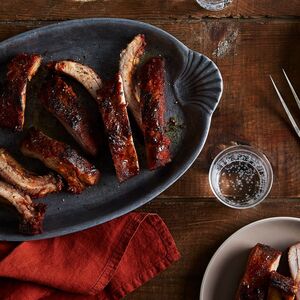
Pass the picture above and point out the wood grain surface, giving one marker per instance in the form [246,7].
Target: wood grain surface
[147,9]
[249,40]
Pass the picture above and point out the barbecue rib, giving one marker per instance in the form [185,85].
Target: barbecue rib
[281,287]
[130,59]
[153,108]
[31,214]
[294,264]
[113,108]
[35,186]
[261,262]
[13,98]
[58,156]
[82,73]
[60,100]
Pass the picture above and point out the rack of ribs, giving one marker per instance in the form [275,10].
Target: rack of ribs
[31,214]
[13,98]
[35,186]
[113,109]
[261,262]
[59,99]
[153,107]
[60,157]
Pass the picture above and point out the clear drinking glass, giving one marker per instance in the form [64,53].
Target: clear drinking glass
[214,5]
[241,177]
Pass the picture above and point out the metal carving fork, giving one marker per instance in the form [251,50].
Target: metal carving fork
[285,106]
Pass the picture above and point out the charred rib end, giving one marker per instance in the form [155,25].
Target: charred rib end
[34,225]
[59,183]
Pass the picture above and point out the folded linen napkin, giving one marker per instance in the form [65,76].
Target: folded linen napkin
[104,262]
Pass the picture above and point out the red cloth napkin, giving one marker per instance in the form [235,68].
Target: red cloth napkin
[104,262]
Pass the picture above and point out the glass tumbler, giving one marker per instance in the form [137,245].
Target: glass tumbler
[241,177]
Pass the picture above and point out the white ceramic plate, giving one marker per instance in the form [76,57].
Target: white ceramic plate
[226,267]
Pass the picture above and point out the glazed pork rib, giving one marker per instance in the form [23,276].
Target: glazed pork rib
[35,186]
[82,73]
[60,157]
[153,109]
[13,99]
[261,262]
[113,108]
[31,214]
[129,61]
[59,99]
[281,287]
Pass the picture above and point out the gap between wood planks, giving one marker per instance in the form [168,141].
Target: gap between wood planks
[170,20]
[32,24]
[169,200]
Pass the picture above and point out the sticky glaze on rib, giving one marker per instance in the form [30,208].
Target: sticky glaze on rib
[113,108]
[153,109]
[281,287]
[60,157]
[261,262]
[13,98]
[59,99]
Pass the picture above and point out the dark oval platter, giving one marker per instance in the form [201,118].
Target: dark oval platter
[193,90]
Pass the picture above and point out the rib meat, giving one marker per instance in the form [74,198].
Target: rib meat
[82,73]
[130,59]
[35,186]
[281,287]
[31,214]
[294,264]
[60,157]
[13,98]
[60,100]
[153,108]
[261,262]
[113,108]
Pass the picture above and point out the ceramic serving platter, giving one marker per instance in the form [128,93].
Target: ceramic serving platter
[193,90]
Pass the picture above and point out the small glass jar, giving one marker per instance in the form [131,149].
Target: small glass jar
[241,177]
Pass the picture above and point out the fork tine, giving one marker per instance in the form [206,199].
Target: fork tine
[292,89]
[286,108]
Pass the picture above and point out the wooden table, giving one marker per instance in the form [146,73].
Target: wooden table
[249,40]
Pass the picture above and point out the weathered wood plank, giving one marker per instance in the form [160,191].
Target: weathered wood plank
[246,52]
[199,226]
[149,9]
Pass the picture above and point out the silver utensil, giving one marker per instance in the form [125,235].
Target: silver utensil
[283,103]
